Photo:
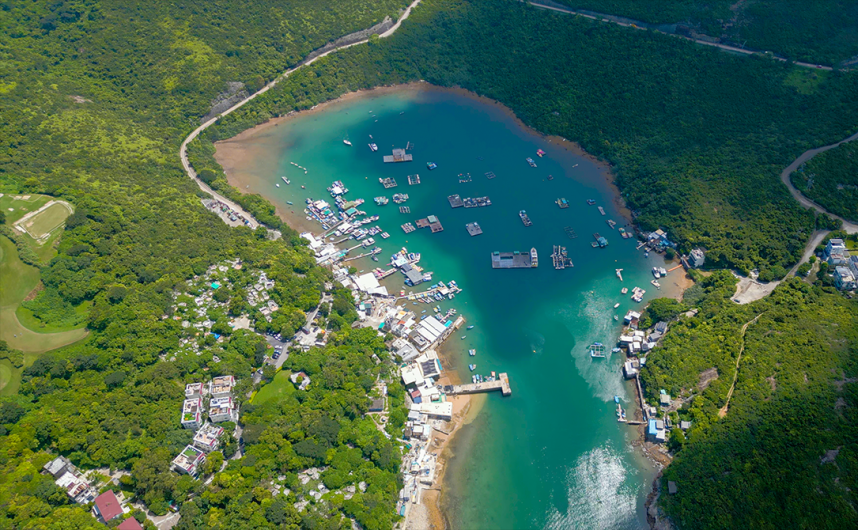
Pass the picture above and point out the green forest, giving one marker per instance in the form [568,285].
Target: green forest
[97,97]
[823,32]
[831,180]
[785,454]
[697,137]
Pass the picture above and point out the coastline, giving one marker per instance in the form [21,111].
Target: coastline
[243,149]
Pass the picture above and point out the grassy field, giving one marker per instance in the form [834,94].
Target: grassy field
[10,378]
[30,321]
[18,277]
[47,220]
[280,386]
[17,206]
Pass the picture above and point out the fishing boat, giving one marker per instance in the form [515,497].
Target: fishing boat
[373,147]
[470,327]
[284,179]
[620,274]
[591,202]
[524,218]
[540,153]
[531,162]
[472,353]
[289,203]
[472,367]
[347,142]
[431,165]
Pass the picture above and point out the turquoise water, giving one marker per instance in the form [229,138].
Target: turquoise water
[552,455]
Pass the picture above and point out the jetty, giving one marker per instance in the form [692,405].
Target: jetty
[502,384]
[515,260]
[474,229]
[399,155]
[455,201]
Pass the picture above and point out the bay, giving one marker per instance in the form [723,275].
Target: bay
[552,455]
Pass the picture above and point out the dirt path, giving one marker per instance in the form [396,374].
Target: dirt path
[183,150]
[723,411]
[851,228]
[600,17]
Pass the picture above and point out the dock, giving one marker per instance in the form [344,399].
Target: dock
[399,155]
[455,201]
[474,229]
[501,384]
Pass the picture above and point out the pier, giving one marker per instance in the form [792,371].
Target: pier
[501,384]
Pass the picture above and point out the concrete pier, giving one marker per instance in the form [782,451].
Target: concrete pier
[501,384]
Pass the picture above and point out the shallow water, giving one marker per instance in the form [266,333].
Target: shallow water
[552,455]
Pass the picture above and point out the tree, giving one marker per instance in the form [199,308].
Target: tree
[207,175]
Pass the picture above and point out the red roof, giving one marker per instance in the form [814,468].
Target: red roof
[108,505]
[130,524]
[415,393]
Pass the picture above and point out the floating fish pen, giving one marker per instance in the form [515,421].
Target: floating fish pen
[381,201]
[384,235]
[404,209]
[399,198]
[597,351]
[413,180]
[562,202]
[463,178]
[611,223]
[430,222]
[514,260]
[455,201]
[602,211]
[570,233]
[524,218]
[388,182]
[560,258]
[490,175]
[479,202]
[474,229]
[409,146]
[408,228]
[600,241]
[399,155]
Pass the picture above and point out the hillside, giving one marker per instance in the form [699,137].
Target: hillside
[831,180]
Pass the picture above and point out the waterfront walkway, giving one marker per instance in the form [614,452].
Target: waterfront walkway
[501,384]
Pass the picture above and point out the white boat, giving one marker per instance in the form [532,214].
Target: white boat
[278,185]
[472,352]
[347,142]
[616,305]
[373,147]
[287,181]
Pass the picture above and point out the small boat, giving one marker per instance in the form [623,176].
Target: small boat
[472,367]
[289,203]
[464,337]
[540,153]
[373,147]
[470,327]
[472,353]
[624,290]
[616,305]
[278,185]
[431,165]
[591,202]
[616,318]
[287,181]
[531,162]
[302,187]
[620,274]
[347,142]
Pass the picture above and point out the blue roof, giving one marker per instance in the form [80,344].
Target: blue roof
[652,428]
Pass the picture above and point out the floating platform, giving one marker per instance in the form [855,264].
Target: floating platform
[479,202]
[413,180]
[430,222]
[512,260]
[408,228]
[464,178]
[399,155]
[560,258]
[570,233]
[404,209]
[474,229]
[501,384]
[388,183]
[455,201]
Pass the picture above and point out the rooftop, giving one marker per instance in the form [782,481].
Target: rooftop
[108,505]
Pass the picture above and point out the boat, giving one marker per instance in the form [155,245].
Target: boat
[431,165]
[524,218]
[289,203]
[540,153]
[464,337]
[616,318]
[347,142]
[472,353]
[616,305]
[602,211]
[373,147]
[624,290]
[470,327]
[287,181]
[591,202]
[531,162]
[620,274]
[472,367]
[656,273]
[278,185]
[562,202]
[656,284]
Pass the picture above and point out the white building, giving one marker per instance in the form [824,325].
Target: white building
[207,438]
[194,390]
[696,258]
[223,409]
[439,411]
[836,253]
[221,386]
[192,413]
[189,461]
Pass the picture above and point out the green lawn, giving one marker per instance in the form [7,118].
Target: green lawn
[47,220]
[18,277]
[279,387]
[31,322]
[21,207]
[10,378]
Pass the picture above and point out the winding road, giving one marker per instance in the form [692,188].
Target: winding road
[183,150]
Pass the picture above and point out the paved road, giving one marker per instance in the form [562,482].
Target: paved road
[183,150]
[851,228]
[727,47]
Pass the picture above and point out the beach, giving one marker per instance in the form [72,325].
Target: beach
[540,341]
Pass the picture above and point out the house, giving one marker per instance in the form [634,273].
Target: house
[696,258]
[664,399]
[629,370]
[223,409]
[671,487]
[76,487]
[684,425]
[107,507]
[189,461]
[655,431]
[221,386]
[661,327]
[194,390]
[835,253]
[130,524]
[439,411]
[208,437]
[305,380]
[58,466]
[411,375]
[192,413]
[845,279]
